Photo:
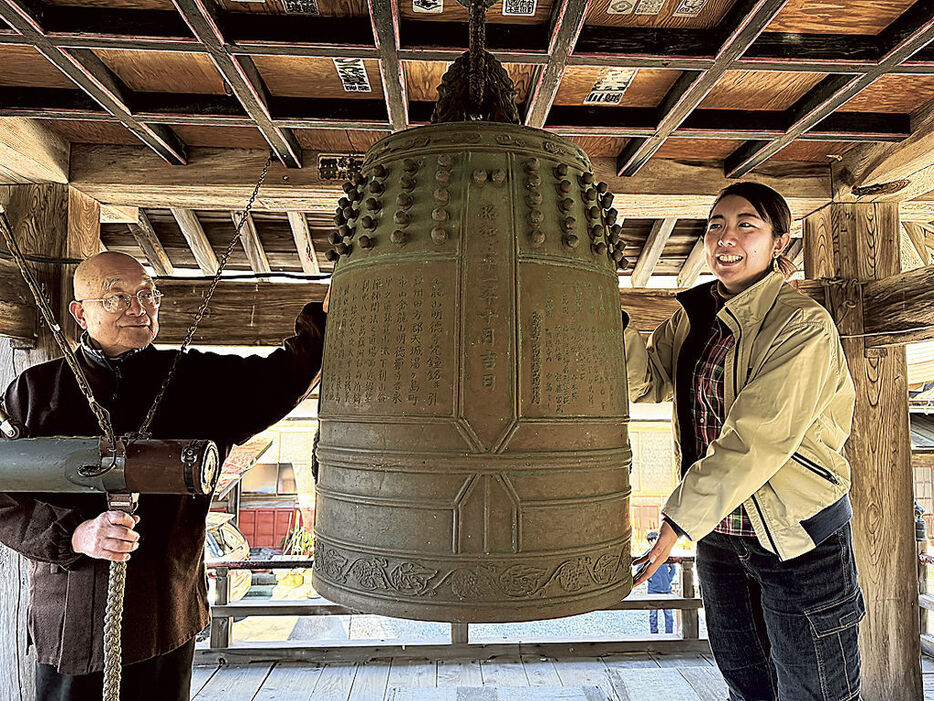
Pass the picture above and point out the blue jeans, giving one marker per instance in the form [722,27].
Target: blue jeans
[783,631]
[669,620]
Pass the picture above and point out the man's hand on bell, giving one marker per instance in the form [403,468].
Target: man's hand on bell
[110,536]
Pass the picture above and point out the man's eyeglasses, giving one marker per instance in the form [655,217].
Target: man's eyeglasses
[121,302]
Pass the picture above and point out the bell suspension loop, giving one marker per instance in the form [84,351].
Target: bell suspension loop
[477,14]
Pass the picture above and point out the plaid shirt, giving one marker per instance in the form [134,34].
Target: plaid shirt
[708,412]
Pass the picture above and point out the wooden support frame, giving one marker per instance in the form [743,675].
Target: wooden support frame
[304,243]
[567,20]
[745,21]
[244,80]
[652,251]
[151,246]
[693,264]
[902,39]
[384,15]
[30,152]
[89,73]
[915,234]
[253,247]
[200,247]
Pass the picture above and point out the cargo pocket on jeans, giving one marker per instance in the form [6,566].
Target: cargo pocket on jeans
[835,631]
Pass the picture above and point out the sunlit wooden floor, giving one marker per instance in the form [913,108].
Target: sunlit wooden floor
[675,677]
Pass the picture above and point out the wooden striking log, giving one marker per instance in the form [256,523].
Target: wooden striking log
[652,251]
[856,242]
[149,243]
[30,152]
[899,308]
[200,247]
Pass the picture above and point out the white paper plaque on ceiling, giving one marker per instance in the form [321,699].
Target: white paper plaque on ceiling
[649,7]
[519,8]
[428,7]
[689,8]
[621,7]
[353,75]
[610,86]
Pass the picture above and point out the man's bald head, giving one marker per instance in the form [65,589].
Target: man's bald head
[111,274]
[95,275]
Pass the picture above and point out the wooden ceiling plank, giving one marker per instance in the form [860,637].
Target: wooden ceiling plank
[693,265]
[89,73]
[916,235]
[652,251]
[253,247]
[30,152]
[567,20]
[746,20]
[119,214]
[149,243]
[903,38]
[304,243]
[200,247]
[244,80]
[384,15]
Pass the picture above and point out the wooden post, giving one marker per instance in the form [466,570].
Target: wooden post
[49,220]
[689,621]
[460,633]
[220,625]
[853,244]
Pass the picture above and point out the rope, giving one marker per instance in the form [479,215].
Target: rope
[113,625]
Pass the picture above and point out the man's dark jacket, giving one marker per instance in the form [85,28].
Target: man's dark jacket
[224,398]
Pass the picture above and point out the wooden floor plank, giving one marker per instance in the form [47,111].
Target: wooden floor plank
[585,671]
[541,671]
[456,672]
[928,687]
[630,660]
[413,674]
[503,671]
[335,682]
[637,684]
[707,682]
[235,682]
[369,684]
[680,659]
[294,681]
[200,674]
[501,693]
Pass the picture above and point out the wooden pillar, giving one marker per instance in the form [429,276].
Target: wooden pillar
[851,244]
[47,220]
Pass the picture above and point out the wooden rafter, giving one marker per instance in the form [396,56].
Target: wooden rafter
[903,38]
[244,80]
[915,233]
[149,243]
[567,20]
[303,242]
[745,21]
[251,243]
[795,252]
[200,247]
[89,73]
[652,251]
[692,265]
[384,14]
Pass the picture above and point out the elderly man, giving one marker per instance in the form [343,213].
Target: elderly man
[70,539]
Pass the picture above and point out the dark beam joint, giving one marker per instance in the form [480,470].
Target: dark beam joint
[511,38]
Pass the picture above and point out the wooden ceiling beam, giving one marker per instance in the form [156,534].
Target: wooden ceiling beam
[916,235]
[567,20]
[900,308]
[253,247]
[149,243]
[795,252]
[901,39]
[119,214]
[30,152]
[693,265]
[304,244]
[745,21]
[652,251]
[89,73]
[224,179]
[200,247]
[244,79]
[384,15]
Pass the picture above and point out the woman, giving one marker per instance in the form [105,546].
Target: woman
[763,404]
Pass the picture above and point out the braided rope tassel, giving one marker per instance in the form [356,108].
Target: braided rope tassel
[113,624]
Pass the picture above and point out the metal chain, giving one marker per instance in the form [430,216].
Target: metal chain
[477,44]
[103,416]
[144,428]
[113,626]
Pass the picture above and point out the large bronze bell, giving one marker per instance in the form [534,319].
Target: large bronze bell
[474,452]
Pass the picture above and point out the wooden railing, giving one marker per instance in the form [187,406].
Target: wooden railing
[221,648]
